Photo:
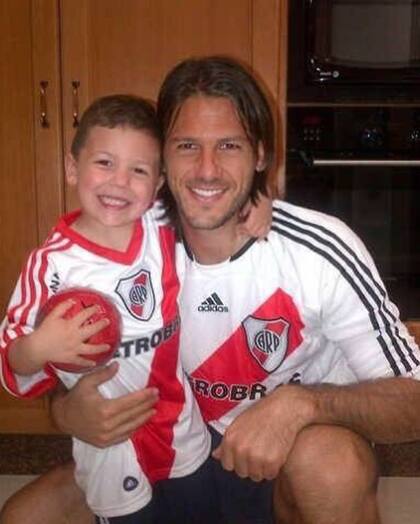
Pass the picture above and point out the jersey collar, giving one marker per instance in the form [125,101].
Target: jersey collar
[122,257]
[234,257]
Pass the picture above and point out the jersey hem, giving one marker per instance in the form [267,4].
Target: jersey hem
[141,502]
[126,509]
[191,467]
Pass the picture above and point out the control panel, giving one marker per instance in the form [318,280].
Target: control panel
[360,129]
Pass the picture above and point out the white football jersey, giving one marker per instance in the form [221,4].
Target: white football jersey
[305,306]
[143,285]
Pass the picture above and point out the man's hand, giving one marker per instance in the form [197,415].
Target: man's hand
[258,441]
[255,219]
[84,413]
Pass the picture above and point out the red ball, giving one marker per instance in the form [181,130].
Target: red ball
[110,334]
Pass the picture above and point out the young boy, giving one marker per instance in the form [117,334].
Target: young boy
[116,246]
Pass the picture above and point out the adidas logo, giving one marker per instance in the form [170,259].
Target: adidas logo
[213,303]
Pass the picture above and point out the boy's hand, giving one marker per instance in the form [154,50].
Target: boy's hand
[63,339]
[255,220]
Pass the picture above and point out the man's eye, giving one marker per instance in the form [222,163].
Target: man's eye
[230,146]
[186,146]
[140,171]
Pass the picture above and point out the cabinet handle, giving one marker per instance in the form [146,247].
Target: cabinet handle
[43,118]
[75,85]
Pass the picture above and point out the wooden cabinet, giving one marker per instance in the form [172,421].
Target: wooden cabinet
[30,159]
[56,56]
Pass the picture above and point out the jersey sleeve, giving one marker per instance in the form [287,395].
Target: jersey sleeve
[358,316]
[30,293]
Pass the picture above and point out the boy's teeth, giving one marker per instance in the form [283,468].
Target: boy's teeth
[112,201]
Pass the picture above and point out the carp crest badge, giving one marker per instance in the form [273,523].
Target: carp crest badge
[267,340]
[136,292]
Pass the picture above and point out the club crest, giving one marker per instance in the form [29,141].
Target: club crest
[267,341]
[137,294]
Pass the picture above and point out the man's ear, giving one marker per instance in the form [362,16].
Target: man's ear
[261,163]
[70,166]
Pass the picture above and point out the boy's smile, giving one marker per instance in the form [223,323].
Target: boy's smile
[117,176]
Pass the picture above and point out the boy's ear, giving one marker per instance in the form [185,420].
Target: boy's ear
[70,166]
[261,163]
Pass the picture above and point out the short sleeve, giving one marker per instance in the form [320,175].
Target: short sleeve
[358,316]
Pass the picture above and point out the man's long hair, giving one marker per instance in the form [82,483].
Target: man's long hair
[218,76]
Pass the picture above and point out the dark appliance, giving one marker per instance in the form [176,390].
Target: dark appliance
[354,49]
[362,164]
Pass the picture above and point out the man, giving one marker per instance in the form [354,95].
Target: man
[293,350]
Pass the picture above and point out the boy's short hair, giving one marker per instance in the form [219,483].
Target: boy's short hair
[117,111]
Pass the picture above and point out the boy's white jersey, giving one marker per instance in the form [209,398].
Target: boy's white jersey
[305,306]
[143,284]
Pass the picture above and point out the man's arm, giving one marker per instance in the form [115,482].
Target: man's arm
[84,413]
[356,316]
[384,411]
[258,441]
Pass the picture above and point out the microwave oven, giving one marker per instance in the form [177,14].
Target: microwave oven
[354,50]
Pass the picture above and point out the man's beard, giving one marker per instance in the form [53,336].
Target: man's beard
[210,224]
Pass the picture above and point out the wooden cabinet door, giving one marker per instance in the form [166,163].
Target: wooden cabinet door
[128,46]
[30,164]
[56,56]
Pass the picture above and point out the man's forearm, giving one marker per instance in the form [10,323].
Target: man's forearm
[56,399]
[384,411]
[258,442]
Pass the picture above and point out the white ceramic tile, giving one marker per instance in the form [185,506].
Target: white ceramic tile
[399,500]
[11,483]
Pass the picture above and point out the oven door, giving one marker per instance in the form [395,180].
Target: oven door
[379,199]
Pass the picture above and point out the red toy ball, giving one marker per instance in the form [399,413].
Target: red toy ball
[84,298]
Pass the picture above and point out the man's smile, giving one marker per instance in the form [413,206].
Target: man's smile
[206,193]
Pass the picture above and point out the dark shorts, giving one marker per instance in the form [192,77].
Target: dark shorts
[241,501]
[185,500]
[144,516]
[208,496]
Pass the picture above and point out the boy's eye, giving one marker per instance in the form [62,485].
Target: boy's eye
[140,171]
[103,162]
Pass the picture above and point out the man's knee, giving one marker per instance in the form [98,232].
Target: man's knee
[332,458]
